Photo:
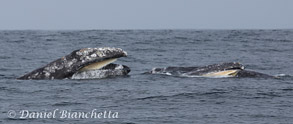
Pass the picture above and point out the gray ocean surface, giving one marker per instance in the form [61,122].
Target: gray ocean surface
[152,99]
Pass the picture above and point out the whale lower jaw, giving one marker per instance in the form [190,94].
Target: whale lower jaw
[220,74]
[216,74]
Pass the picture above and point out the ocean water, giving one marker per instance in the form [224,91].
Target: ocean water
[144,98]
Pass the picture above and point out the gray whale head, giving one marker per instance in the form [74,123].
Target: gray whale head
[82,60]
[229,69]
[221,69]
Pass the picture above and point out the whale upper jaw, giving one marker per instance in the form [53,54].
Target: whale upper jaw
[70,64]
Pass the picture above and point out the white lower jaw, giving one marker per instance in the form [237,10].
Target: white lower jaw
[225,73]
[97,65]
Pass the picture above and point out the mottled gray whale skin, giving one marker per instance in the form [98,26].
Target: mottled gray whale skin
[231,69]
[68,65]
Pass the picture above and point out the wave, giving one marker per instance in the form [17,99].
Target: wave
[184,95]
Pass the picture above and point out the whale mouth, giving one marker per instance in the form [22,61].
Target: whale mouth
[101,69]
[225,73]
[97,65]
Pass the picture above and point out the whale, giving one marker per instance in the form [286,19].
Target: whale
[86,63]
[228,69]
